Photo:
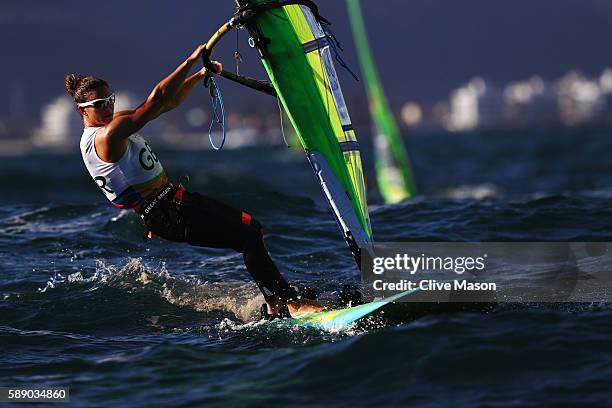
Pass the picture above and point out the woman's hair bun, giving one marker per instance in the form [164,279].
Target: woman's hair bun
[71,83]
[78,85]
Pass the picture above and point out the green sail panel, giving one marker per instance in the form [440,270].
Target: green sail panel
[393,169]
[296,55]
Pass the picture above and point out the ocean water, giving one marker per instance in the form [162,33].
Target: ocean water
[86,303]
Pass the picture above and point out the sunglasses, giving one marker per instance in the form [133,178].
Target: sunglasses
[99,103]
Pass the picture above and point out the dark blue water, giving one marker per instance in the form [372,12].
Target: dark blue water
[86,303]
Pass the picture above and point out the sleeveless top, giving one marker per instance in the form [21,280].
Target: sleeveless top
[128,182]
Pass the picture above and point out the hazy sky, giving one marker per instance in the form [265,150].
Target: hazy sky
[424,48]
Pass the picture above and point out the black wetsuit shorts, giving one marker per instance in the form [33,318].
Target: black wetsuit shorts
[183,216]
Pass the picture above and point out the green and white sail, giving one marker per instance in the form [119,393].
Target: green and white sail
[393,169]
[295,51]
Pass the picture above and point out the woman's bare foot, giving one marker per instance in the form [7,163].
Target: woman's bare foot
[304,306]
[296,307]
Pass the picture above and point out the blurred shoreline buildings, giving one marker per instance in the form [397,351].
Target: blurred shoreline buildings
[569,101]
[60,127]
[573,100]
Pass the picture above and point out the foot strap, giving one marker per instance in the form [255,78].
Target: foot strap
[282,314]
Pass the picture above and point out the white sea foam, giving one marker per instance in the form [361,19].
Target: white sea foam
[242,299]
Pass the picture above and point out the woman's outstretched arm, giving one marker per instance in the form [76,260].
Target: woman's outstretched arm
[188,85]
[185,89]
[165,94]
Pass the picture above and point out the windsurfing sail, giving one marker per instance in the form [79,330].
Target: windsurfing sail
[295,51]
[393,170]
